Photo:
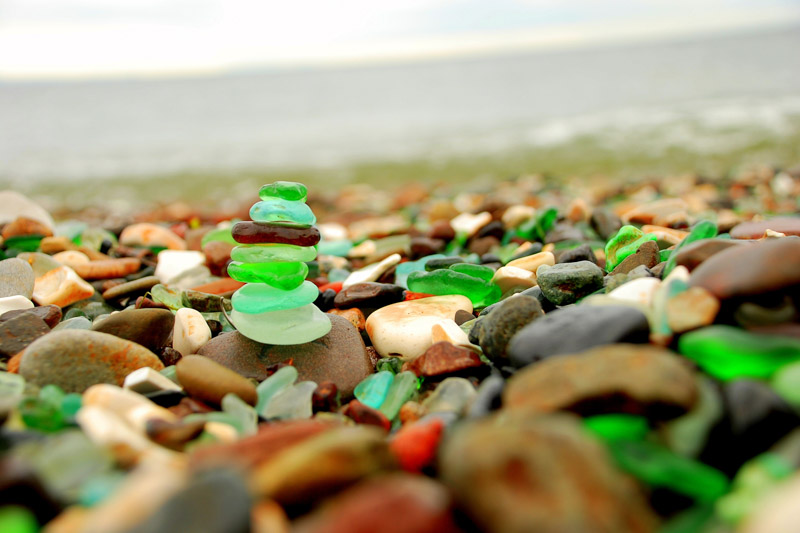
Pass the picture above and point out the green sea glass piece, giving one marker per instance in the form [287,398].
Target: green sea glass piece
[284,377]
[613,427]
[14,519]
[404,385]
[41,414]
[754,480]
[659,467]
[169,297]
[373,389]
[451,396]
[267,253]
[244,414]
[260,298]
[446,281]
[705,229]
[280,211]
[402,270]
[286,190]
[286,326]
[477,271]
[292,403]
[338,248]
[218,234]
[624,243]
[286,276]
[786,382]
[98,489]
[728,353]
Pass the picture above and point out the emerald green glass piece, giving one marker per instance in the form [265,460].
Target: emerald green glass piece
[219,234]
[244,414]
[404,386]
[786,382]
[284,377]
[445,281]
[70,405]
[478,271]
[623,244]
[614,427]
[93,238]
[52,394]
[292,403]
[705,229]
[390,364]
[41,415]
[14,519]
[284,276]
[260,298]
[286,326]
[338,248]
[286,190]
[24,243]
[694,520]
[169,297]
[279,211]
[664,255]
[536,228]
[659,467]
[373,389]
[728,353]
[266,253]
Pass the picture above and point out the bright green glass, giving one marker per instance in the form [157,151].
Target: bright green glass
[705,229]
[286,190]
[286,276]
[614,427]
[445,281]
[266,253]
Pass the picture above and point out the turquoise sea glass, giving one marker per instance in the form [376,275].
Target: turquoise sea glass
[260,298]
[373,389]
[271,386]
[292,403]
[278,210]
[284,276]
[266,253]
[286,326]
[402,389]
[286,190]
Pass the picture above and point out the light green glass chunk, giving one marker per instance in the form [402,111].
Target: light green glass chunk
[15,519]
[627,240]
[659,467]
[260,298]
[284,276]
[271,386]
[268,253]
[292,403]
[478,271]
[786,382]
[446,281]
[451,396]
[169,297]
[403,388]
[287,326]
[728,353]
[218,234]
[373,389]
[279,211]
[287,190]
[246,415]
[705,229]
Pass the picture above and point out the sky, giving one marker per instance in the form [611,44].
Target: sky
[113,38]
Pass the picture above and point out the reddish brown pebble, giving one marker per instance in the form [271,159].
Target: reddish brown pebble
[51,314]
[262,232]
[411,411]
[209,381]
[354,315]
[364,414]
[415,444]
[443,358]
[221,287]
[756,230]
[108,268]
[325,397]
[25,226]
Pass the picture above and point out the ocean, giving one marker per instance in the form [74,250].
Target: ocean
[727,94]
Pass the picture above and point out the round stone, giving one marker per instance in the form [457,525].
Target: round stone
[209,381]
[566,283]
[16,278]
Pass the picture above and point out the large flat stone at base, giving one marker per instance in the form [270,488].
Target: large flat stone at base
[340,356]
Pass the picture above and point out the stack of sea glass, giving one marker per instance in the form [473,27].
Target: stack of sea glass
[276,304]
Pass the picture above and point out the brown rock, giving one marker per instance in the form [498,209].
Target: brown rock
[364,414]
[340,356]
[249,452]
[756,230]
[646,255]
[742,271]
[25,226]
[691,309]
[209,381]
[392,503]
[483,245]
[131,288]
[149,327]
[514,474]
[51,314]
[616,378]
[18,332]
[109,268]
[443,358]
[368,295]
[222,287]
[218,254]
[692,255]
[442,230]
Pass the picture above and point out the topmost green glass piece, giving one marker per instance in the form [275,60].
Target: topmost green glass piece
[287,190]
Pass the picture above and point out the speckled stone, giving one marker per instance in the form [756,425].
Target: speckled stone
[16,278]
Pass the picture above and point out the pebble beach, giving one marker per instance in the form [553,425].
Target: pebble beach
[522,356]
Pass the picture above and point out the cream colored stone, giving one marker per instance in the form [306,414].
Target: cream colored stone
[533,262]
[468,224]
[132,407]
[449,332]
[147,234]
[173,263]
[12,303]
[364,249]
[639,290]
[510,277]
[404,329]
[371,272]
[61,287]
[146,380]
[517,214]
[191,331]
[71,258]
[14,205]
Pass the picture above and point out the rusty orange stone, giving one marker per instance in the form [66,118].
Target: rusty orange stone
[221,287]
[108,268]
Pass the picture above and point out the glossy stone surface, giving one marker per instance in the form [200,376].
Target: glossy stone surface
[445,281]
[264,232]
[286,190]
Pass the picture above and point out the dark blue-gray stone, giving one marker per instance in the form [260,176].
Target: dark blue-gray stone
[576,329]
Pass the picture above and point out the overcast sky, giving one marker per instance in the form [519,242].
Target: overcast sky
[103,38]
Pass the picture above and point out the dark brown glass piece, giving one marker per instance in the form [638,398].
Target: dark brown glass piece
[264,232]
